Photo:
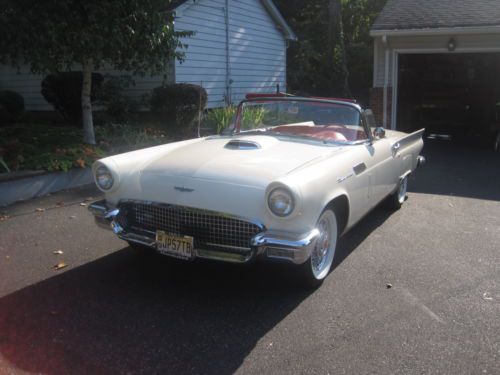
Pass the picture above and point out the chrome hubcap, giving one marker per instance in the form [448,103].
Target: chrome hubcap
[322,255]
[402,190]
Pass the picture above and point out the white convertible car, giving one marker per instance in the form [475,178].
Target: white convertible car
[284,182]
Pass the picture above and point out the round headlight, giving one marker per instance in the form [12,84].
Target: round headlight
[280,202]
[104,178]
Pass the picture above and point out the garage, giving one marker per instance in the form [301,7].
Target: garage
[454,95]
[437,65]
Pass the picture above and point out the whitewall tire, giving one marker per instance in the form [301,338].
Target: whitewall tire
[317,267]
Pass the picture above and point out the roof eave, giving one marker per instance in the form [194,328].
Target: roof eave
[270,7]
[438,31]
[280,21]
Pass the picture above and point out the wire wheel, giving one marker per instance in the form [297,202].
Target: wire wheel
[323,253]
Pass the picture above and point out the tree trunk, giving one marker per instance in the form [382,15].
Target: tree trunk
[345,69]
[88,125]
[336,35]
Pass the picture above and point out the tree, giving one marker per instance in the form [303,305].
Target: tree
[55,35]
[334,52]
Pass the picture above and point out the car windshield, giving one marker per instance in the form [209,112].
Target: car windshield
[325,121]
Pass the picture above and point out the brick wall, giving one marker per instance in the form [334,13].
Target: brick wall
[377,104]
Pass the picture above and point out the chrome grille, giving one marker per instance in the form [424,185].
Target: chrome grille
[210,229]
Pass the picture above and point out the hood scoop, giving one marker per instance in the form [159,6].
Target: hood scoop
[239,144]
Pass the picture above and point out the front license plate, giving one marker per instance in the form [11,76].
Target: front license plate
[178,246]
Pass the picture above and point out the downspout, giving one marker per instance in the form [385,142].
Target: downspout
[386,79]
[228,65]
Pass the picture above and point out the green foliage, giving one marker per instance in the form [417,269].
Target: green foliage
[43,147]
[178,105]
[64,90]
[56,35]
[118,107]
[117,138]
[252,117]
[131,35]
[11,106]
[220,118]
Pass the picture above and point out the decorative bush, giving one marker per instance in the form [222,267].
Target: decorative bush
[118,107]
[11,106]
[64,91]
[178,105]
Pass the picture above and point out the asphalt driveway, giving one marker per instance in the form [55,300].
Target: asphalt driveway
[109,311]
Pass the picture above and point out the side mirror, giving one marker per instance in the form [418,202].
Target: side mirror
[379,132]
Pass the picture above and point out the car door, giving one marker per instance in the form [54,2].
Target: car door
[384,163]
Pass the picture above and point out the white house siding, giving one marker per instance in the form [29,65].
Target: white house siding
[257,49]
[29,85]
[26,84]
[428,44]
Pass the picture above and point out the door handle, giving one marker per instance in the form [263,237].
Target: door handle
[395,148]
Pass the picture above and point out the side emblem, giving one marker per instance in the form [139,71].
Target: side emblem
[183,189]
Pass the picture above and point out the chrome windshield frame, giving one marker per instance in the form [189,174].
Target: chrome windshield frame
[237,123]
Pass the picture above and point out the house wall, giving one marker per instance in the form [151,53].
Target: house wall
[257,49]
[29,85]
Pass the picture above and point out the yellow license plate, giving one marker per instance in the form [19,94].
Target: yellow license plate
[178,246]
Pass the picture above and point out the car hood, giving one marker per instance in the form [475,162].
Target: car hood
[213,159]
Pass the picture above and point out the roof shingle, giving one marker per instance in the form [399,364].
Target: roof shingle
[432,14]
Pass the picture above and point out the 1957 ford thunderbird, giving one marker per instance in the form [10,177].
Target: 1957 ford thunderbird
[284,182]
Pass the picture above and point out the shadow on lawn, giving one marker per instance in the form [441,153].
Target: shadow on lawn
[127,314]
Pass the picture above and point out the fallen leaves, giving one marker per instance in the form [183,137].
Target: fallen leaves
[83,204]
[80,162]
[60,266]
[39,209]
[388,285]
[487,296]
[58,252]
[59,204]
[4,217]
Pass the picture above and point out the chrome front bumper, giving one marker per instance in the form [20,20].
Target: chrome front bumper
[275,246]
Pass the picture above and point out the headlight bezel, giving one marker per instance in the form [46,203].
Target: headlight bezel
[287,197]
[102,169]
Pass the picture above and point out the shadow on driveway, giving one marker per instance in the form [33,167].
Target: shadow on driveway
[471,172]
[125,313]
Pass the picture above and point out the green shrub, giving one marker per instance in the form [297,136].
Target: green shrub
[220,118]
[118,107]
[64,91]
[56,148]
[252,117]
[178,105]
[11,106]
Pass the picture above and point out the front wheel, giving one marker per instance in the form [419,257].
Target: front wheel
[316,268]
